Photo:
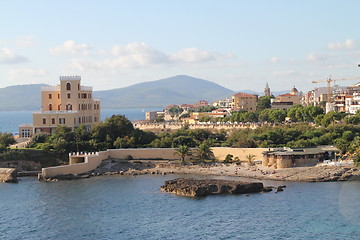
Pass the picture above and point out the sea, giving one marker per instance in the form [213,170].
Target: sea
[126,207]
[10,120]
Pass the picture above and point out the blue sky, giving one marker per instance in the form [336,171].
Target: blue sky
[237,44]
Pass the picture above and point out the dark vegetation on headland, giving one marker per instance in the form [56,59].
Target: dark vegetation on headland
[309,127]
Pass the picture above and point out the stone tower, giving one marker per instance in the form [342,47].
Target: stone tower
[267,90]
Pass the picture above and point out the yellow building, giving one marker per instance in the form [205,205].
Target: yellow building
[286,101]
[243,101]
[68,104]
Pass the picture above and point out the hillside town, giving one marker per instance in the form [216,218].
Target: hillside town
[336,98]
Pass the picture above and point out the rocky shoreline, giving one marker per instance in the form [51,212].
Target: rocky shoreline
[143,167]
[191,187]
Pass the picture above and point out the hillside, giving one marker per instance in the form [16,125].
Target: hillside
[160,93]
[174,90]
[21,97]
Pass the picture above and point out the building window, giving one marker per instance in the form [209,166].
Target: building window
[68,86]
[44,120]
[69,107]
[78,86]
[25,133]
[59,107]
[68,95]
[53,121]
[61,120]
[79,120]
[50,96]
[58,95]
[50,107]
[78,95]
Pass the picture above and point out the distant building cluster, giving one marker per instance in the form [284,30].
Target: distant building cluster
[342,99]
[222,108]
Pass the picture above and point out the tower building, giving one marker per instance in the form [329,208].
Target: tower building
[267,90]
[67,104]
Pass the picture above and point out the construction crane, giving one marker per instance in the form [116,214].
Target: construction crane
[328,81]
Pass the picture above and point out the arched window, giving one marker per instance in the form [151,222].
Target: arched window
[50,107]
[68,86]
[59,107]
[68,106]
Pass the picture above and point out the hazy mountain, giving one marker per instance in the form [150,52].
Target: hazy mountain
[21,97]
[175,90]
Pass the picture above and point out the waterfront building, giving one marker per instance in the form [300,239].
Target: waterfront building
[67,104]
[243,101]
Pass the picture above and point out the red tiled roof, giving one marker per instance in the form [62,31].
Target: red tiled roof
[245,95]
[287,95]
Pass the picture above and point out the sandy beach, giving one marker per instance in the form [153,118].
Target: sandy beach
[303,174]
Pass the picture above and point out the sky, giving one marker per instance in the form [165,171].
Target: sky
[238,44]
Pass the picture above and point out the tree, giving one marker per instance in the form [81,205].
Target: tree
[204,151]
[6,139]
[250,157]
[183,151]
[112,128]
[228,158]
[264,102]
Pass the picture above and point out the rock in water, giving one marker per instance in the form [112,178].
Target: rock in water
[203,187]
[8,175]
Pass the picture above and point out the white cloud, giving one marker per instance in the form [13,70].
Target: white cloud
[312,57]
[348,44]
[285,73]
[193,55]
[9,57]
[135,55]
[274,59]
[25,41]
[70,47]
[27,75]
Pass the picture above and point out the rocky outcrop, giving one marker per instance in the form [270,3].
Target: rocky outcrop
[8,175]
[203,187]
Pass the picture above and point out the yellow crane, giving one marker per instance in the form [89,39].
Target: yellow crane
[328,81]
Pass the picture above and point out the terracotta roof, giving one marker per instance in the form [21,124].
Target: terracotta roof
[244,94]
[287,95]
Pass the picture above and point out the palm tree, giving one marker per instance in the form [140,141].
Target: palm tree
[183,151]
[250,157]
[204,151]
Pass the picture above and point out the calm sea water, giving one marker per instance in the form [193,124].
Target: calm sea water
[121,207]
[9,121]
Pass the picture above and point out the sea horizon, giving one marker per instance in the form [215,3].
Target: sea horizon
[10,120]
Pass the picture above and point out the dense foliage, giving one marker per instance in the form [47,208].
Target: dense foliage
[310,127]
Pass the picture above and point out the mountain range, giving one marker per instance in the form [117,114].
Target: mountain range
[160,93]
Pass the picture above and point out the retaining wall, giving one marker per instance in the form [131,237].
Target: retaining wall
[92,161]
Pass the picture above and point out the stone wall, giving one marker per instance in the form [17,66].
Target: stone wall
[92,161]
